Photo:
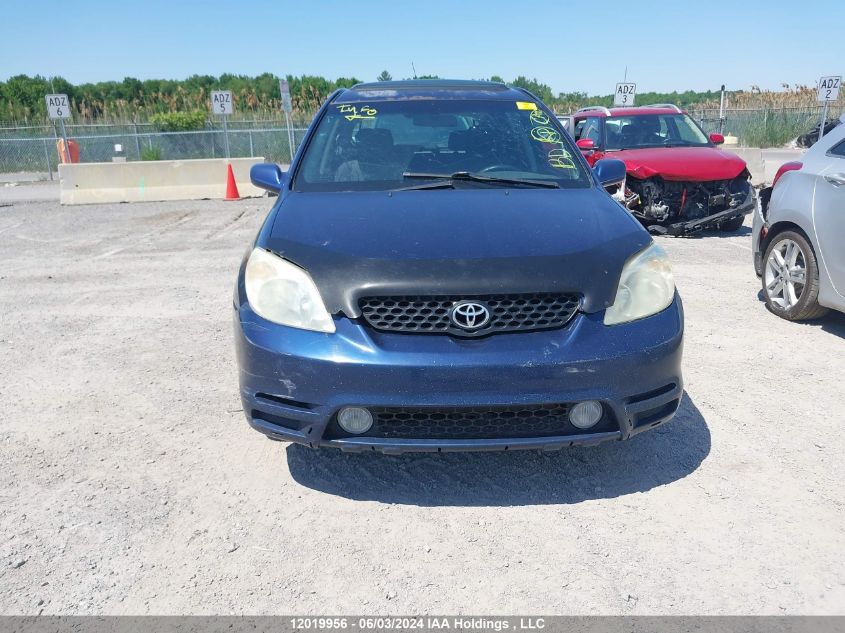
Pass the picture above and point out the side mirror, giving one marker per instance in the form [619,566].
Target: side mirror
[586,144]
[268,176]
[609,171]
[717,139]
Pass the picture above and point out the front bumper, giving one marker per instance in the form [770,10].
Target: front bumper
[759,229]
[293,382]
[710,221]
[713,220]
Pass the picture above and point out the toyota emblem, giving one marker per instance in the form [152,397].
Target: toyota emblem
[469,315]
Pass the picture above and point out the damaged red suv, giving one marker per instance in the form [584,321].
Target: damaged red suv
[678,181]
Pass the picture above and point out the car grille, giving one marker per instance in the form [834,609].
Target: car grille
[547,420]
[508,312]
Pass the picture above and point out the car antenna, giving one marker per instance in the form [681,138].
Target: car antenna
[414,69]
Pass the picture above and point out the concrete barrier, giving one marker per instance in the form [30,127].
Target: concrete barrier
[753,158]
[775,157]
[764,163]
[87,183]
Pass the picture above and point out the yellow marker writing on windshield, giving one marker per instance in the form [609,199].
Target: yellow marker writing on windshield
[539,117]
[545,134]
[351,112]
[561,159]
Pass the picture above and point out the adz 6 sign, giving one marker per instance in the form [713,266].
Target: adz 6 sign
[58,106]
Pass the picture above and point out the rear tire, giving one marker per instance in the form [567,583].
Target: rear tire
[734,224]
[791,278]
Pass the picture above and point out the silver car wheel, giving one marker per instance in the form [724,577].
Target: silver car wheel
[785,274]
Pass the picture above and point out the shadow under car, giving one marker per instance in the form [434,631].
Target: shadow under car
[511,478]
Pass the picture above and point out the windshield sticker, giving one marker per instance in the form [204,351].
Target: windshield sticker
[352,112]
[542,132]
[526,105]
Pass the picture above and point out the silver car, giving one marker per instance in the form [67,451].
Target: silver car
[798,238]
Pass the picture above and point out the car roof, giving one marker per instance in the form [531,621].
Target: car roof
[431,89]
[639,110]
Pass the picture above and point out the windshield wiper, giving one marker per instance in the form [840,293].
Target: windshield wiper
[470,177]
[439,184]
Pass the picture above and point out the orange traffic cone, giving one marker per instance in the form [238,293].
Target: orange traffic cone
[231,185]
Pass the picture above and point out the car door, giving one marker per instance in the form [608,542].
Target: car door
[829,215]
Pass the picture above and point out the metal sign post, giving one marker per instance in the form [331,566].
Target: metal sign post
[722,111]
[624,95]
[828,91]
[287,107]
[58,107]
[221,105]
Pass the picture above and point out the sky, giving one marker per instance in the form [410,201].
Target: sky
[584,46]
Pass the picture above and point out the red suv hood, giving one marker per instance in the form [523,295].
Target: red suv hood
[681,163]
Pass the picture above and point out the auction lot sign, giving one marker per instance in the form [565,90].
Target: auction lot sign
[58,109]
[284,91]
[829,89]
[58,106]
[624,95]
[223,106]
[221,102]
[828,92]
[287,108]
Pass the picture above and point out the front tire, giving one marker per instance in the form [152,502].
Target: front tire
[791,278]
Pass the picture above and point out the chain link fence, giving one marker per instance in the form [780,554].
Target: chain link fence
[33,149]
[770,127]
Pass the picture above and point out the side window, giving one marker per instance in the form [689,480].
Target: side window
[664,128]
[588,128]
[838,149]
[686,132]
[579,127]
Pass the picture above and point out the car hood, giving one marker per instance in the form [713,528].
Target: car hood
[466,242]
[696,164]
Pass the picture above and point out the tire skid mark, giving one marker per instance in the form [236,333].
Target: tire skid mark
[26,238]
[230,224]
[9,228]
[158,231]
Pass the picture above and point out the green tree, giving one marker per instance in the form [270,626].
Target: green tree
[384,76]
[541,91]
[131,99]
[179,121]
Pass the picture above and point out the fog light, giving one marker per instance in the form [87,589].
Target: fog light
[355,420]
[585,414]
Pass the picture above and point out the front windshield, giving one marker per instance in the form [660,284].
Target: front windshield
[386,145]
[652,130]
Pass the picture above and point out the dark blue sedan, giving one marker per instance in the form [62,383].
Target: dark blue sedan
[443,271]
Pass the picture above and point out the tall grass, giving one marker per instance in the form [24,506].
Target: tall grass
[767,118]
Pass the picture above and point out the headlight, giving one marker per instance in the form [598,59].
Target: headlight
[646,287]
[284,293]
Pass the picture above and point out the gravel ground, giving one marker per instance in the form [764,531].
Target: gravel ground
[131,484]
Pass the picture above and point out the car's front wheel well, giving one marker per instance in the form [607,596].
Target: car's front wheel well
[778,228]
